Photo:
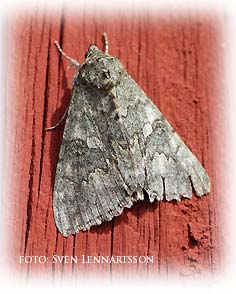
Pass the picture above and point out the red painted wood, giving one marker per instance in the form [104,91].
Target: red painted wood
[177,61]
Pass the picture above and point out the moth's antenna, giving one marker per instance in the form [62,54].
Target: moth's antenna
[105,42]
[73,62]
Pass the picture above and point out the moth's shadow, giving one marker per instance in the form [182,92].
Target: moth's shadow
[138,211]
[135,213]
[57,133]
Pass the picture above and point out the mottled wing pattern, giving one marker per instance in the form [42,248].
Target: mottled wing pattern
[170,167]
[93,182]
[117,144]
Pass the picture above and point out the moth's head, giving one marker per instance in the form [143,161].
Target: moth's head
[100,70]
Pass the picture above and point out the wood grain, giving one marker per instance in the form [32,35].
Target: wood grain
[177,60]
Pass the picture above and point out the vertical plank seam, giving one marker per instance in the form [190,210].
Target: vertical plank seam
[159,238]
[112,244]
[73,254]
[31,168]
[62,22]
[43,132]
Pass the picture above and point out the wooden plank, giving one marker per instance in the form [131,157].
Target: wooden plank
[176,60]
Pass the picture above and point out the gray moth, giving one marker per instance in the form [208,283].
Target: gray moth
[116,147]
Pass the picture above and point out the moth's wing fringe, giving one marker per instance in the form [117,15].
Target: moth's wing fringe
[61,223]
[107,196]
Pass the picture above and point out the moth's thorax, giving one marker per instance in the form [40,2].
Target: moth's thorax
[100,70]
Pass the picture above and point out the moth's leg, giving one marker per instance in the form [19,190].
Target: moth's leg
[73,62]
[105,39]
[60,121]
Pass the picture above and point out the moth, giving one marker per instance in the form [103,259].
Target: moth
[117,146]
